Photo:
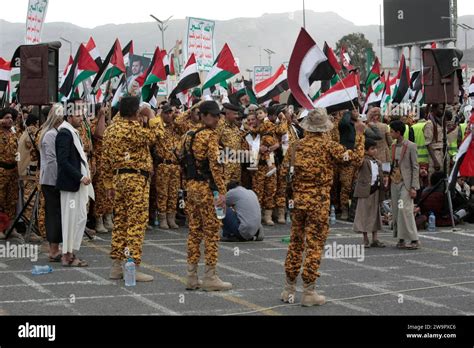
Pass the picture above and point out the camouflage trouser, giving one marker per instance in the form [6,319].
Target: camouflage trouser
[280,196]
[131,215]
[203,223]
[167,187]
[232,172]
[347,173]
[438,153]
[9,192]
[310,227]
[103,205]
[264,187]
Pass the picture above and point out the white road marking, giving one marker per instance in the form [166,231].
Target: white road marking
[425,264]
[434,238]
[464,234]
[436,282]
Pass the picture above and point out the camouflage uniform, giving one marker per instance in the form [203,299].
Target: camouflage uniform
[103,205]
[435,139]
[203,223]
[126,145]
[315,158]
[183,124]
[8,177]
[230,139]
[168,171]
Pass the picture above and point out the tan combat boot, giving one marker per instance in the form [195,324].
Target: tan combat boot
[108,222]
[163,222]
[116,272]
[267,219]
[99,226]
[288,294]
[281,216]
[344,213]
[142,277]
[212,282]
[171,218]
[311,297]
[192,281]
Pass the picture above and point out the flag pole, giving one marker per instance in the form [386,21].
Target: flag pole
[343,86]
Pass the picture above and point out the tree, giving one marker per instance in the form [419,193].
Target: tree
[356,46]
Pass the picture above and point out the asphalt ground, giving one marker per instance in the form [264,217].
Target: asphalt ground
[437,279]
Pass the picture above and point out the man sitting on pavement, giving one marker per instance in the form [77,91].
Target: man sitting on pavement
[242,221]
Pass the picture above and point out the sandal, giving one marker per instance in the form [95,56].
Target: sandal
[401,245]
[377,244]
[56,258]
[413,246]
[75,262]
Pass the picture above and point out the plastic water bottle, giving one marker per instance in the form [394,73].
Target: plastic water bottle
[332,216]
[129,273]
[219,211]
[432,222]
[156,222]
[37,270]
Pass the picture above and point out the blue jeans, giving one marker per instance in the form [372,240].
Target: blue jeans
[230,224]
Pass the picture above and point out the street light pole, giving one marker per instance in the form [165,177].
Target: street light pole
[269,52]
[162,25]
[259,52]
[70,45]
[249,71]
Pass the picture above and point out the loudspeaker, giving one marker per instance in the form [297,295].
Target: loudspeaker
[39,73]
[442,67]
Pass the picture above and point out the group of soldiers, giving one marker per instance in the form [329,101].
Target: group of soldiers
[141,159]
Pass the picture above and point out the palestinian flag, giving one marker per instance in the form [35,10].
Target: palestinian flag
[15,74]
[341,96]
[327,69]
[403,82]
[304,62]
[275,85]
[66,71]
[223,69]
[154,74]
[5,74]
[374,74]
[375,93]
[471,87]
[387,94]
[112,66]
[127,53]
[416,88]
[188,79]
[94,52]
[119,92]
[82,68]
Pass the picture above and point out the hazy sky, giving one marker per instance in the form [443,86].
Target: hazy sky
[91,13]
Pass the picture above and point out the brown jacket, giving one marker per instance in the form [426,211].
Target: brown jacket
[409,166]
[362,188]
[384,145]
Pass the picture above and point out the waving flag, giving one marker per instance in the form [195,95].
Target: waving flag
[343,95]
[304,62]
[94,52]
[188,79]
[275,85]
[403,81]
[127,52]
[223,69]
[112,66]
[154,74]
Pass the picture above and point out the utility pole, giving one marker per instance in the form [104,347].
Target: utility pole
[381,35]
[269,52]
[70,44]
[162,25]
[304,16]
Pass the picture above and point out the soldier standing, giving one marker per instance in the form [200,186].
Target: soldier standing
[127,169]
[311,160]
[230,139]
[168,171]
[205,180]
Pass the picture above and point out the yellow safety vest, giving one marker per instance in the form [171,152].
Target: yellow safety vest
[418,130]
[463,130]
[406,135]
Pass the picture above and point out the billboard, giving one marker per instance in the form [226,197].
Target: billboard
[261,73]
[199,40]
[421,21]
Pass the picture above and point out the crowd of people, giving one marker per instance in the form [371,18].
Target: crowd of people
[119,171]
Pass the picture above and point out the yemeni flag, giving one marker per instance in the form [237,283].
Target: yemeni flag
[223,69]
[127,53]
[166,62]
[341,96]
[374,74]
[154,74]
[188,80]
[417,88]
[112,66]
[82,68]
[304,62]
[273,86]
[471,87]
[464,165]
[94,52]
[375,93]
[403,82]
[5,74]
